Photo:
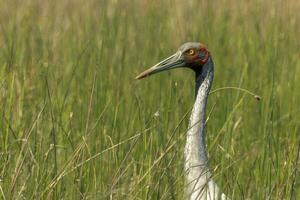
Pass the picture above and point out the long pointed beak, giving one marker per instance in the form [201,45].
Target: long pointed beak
[174,61]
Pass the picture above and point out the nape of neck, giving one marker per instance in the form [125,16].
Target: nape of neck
[198,176]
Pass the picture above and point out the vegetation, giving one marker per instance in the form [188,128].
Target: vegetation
[75,124]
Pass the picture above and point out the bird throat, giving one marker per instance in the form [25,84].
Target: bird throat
[199,78]
[196,161]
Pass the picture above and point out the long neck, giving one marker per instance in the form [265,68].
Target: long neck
[196,161]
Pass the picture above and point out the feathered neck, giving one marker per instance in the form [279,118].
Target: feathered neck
[196,161]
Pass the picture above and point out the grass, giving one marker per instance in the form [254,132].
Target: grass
[75,124]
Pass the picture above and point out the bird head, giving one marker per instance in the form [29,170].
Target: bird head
[192,55]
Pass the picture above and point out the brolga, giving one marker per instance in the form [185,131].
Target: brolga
[194,55]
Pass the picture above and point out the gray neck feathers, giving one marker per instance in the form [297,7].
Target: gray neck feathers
[196,162]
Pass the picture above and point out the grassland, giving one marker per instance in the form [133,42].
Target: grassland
[74,123]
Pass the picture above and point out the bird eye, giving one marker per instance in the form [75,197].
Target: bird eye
[191,52]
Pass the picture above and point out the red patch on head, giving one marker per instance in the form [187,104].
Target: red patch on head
[203,50]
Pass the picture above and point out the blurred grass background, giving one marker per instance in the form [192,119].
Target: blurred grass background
[75,124]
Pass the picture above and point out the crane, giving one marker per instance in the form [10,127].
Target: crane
[199,182]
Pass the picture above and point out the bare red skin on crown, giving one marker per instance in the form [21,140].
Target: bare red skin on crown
[205,59]
[195,58]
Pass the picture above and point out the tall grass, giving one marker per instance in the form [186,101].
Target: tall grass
[75,124]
